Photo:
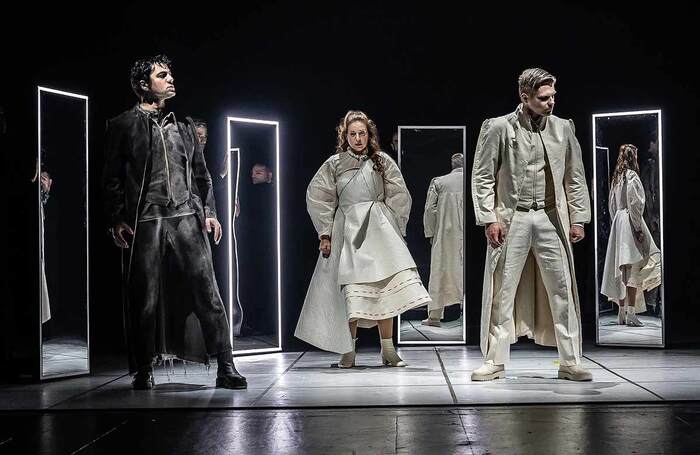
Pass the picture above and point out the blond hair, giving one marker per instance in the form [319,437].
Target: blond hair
[532,79]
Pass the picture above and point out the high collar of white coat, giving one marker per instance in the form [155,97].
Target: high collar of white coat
[526,121]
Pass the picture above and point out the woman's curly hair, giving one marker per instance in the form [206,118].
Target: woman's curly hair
[372,144]
[626,159]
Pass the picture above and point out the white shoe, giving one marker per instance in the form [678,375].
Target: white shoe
[431,322]
[389,355]
[434,318]
[622,315]
[574,373]
[633,320]
[347,360]
[489,372]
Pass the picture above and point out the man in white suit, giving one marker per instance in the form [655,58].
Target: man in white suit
[529,192]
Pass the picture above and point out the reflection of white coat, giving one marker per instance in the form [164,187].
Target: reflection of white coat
[500,161]
[365,216]
[443,222]
[627,261]
[45,305]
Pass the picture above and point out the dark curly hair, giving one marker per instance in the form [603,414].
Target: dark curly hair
[626,159]
[373,148]
[141,71]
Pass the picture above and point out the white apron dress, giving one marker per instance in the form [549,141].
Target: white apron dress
[627,261]
[370,274]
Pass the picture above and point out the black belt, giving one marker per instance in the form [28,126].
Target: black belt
[534,207]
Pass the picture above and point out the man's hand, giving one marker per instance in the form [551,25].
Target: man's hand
[213,223]
[46,181]
[639,236]
[325,247]
[496,234]
[118,234]
[576,233]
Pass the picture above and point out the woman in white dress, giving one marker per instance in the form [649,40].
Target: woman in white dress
[365,275]
[632,260]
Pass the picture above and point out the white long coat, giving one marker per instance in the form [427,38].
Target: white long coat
[443,223]
[365,215]
[499,168]
[626,204]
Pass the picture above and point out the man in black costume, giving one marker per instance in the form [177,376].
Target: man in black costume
[159,199]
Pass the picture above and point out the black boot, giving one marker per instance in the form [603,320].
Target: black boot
[143,380]
[226,375]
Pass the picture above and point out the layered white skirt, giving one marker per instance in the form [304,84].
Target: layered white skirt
[369,302]
[629,263]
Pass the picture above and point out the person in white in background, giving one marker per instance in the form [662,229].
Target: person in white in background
[443,223]
[632,259]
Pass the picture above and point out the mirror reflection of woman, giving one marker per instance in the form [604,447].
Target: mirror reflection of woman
[365,275]
[632,260]
[45,182]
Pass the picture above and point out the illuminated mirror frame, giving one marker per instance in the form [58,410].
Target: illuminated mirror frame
[656,112]
[464,239]
[41,90]
[232,194]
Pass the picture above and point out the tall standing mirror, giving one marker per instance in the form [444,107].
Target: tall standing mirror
[432,163]
[252,227]
[61,178]
[628,193]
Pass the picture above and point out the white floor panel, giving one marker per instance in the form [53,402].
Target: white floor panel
[356,396]
[524,393]
[296,379]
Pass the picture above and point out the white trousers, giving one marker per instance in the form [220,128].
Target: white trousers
[536,231]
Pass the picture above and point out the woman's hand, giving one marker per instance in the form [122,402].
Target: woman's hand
[325,247]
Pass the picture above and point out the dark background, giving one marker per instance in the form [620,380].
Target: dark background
[401,62]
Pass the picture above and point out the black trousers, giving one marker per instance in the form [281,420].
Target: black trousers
[172,293]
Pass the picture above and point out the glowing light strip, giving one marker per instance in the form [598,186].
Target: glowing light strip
[61,92]
[595,224]
[628,113]
[232,238]
[464,238]
[252,120]
[41,90]
[659,138]
[278,185]
[656,112]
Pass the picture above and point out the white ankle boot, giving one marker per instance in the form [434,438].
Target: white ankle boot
[489,372]
[389,355]
[632,319]
[347,360]
[434,317]
[622,315]
[574,373]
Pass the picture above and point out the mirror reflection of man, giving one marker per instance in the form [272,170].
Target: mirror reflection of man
[260,173]
[256,229]
[158,191]
[200,128]
[394,146]
[530,194]
[443,224]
